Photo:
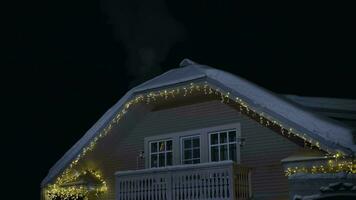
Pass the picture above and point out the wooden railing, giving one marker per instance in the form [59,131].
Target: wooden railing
[218,180]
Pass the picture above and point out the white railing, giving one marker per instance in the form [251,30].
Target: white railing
[218,180]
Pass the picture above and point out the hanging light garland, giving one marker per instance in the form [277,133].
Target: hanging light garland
[209,90]
[59,190]
[332,166]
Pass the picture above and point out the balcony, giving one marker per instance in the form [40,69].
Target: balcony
[217,180]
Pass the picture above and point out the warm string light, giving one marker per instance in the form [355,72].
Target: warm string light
[332,166]
[59,190]
[55,192]
[203,88]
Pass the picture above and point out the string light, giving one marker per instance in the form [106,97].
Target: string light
[225,97]
[332,166]
[59,190]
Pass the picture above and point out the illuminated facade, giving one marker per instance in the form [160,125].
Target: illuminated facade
[196,132]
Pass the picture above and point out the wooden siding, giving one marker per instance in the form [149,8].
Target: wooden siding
[263,149]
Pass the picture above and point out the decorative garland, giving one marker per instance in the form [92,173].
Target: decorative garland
[202,88]
[332,166]
[57,190]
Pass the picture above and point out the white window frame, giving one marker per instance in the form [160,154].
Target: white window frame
[198,135]
[220,144]
[159,152]
[204,134]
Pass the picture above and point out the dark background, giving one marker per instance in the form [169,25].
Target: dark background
[69,63]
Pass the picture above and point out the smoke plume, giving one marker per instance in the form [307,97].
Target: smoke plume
[147,30]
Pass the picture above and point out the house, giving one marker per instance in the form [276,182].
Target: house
[196,132]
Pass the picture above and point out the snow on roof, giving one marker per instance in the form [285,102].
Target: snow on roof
[332,134]
[325,103]
[343,110]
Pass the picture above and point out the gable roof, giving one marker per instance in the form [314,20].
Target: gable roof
[327,131]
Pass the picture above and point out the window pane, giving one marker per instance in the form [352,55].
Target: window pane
[196,153]
[232,136]
[187,143]
[223,152]
[223,137]
[188,162]
[169,145]
[154,160]
[161,146]
[169,158]
[232,152]
[154,147]
[162,160]
[214,154]
[214,138]
[187,154]
[195,161]
[196,142]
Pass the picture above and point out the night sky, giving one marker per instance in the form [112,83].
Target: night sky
[70,61]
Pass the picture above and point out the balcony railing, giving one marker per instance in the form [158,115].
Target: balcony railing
[218,180]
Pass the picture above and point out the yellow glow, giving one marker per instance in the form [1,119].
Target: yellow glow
[332,166]
[74,192]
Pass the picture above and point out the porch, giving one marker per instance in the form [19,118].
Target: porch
[216,180]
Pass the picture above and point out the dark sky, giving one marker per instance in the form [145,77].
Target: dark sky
[70,61]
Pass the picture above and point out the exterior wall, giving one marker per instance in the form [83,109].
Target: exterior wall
[113,153]
[262,152]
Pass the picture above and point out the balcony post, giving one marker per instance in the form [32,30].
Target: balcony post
[169,186]
[249,184]
[232,184]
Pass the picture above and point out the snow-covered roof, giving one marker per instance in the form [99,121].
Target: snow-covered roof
[342,110]
[327,131]
[323,103]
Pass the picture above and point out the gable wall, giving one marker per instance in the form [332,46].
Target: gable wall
[263,149]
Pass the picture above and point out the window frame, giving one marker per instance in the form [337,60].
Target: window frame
[221,144]
[197,135]
[204,134]
[159,152]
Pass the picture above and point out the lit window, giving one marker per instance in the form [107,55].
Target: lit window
[161,153]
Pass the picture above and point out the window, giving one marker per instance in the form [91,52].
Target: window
[190,150]
[223,145]
[161,153]
[208,144]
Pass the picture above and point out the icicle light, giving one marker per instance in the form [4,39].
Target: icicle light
[225,97]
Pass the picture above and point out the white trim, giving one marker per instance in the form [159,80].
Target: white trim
[194,131]
[182,147]
[175,167]
[204,142]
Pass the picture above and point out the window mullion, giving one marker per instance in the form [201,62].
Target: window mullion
[228,149]
[158,157]
[219,146]
[158,148]
[165,157]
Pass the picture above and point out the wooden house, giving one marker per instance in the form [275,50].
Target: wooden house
[196,132]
